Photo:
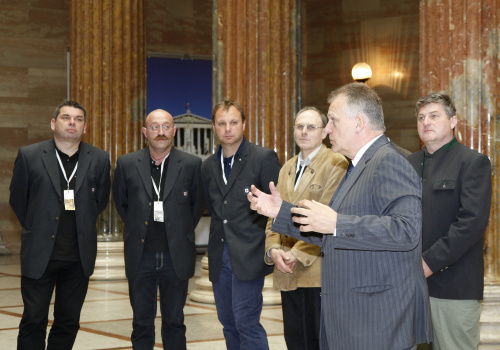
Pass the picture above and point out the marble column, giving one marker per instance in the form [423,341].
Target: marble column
[108,77]
[459,53]
[255,62]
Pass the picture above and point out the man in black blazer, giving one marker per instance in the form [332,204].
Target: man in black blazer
[237,235]
[456,199]
[58,189]
[157,192]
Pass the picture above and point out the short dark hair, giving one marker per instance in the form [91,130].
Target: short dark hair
[323,117]
[361,98]
[70,104]
[443,99]
[225,105]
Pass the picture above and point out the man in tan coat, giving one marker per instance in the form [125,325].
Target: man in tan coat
[313,174]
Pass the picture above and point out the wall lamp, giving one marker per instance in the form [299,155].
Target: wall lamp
[361,72]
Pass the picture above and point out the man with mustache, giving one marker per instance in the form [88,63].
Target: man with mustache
[58,189]
[456,199]
[158,194]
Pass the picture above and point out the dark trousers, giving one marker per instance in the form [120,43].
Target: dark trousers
[71,288]
[157,271]
[301,318]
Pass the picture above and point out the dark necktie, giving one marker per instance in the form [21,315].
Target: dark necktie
[298,173]
[349,169]
[227,166]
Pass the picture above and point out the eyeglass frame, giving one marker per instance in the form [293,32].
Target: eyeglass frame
[309,127]
[156,128]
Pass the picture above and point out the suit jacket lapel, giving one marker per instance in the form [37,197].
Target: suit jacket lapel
[84,159]
[144,170]
[290,182]
[346,184]
[173,170]
[238,164]
[217,170]
[52,165]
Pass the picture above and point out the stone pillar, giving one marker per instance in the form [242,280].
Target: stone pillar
[255,62]
[459,53]
[108,77]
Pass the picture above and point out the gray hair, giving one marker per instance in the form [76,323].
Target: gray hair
[361,99]
[443,99]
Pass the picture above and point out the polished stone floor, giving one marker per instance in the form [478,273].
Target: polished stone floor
[106,321]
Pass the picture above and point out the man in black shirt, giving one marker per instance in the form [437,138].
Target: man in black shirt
[158,194]
[58,189]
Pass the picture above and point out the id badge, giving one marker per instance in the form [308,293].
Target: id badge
[69,200]
[158,211]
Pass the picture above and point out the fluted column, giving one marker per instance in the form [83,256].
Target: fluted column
[108,77]
[459,53]
[255,60]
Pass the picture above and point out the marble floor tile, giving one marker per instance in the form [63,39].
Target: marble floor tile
[106,319]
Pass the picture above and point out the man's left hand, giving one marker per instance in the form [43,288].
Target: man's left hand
[317,217]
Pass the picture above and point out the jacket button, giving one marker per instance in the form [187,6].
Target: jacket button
[222,240]
[146,223]
[57,218]
[60,200]
[150,204]
[53,237]
[142,240]
[225,202]
[322,254]
[225,221]
[308,262]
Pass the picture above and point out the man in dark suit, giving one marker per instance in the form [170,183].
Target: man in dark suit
[237,235]
[157,192]
[456,199]
[374,294]
[58,189]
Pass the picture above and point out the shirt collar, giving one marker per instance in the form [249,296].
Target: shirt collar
[363,150]
[449,145]
[307,161]
[238,152]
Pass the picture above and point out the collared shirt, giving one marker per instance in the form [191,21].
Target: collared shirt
[156,234]
[66,244]
[228,162]
[302,164]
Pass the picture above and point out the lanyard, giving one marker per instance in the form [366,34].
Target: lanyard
[64,171]
[222,165]
[157,189]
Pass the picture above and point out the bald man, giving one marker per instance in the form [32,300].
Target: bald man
[158,194]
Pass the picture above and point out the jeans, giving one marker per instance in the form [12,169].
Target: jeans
[156,270]
[239,305]
[71,286]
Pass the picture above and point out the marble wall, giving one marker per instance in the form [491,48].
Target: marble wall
[383,33]
[34,40]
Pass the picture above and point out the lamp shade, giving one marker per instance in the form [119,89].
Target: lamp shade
[361,72]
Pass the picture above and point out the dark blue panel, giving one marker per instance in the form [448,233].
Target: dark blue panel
[174,82]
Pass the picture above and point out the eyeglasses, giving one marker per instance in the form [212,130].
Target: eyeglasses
[309,127]
[156,128]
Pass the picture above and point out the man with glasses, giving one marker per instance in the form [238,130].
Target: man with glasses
[158,194]
[313,174]
[58,189]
